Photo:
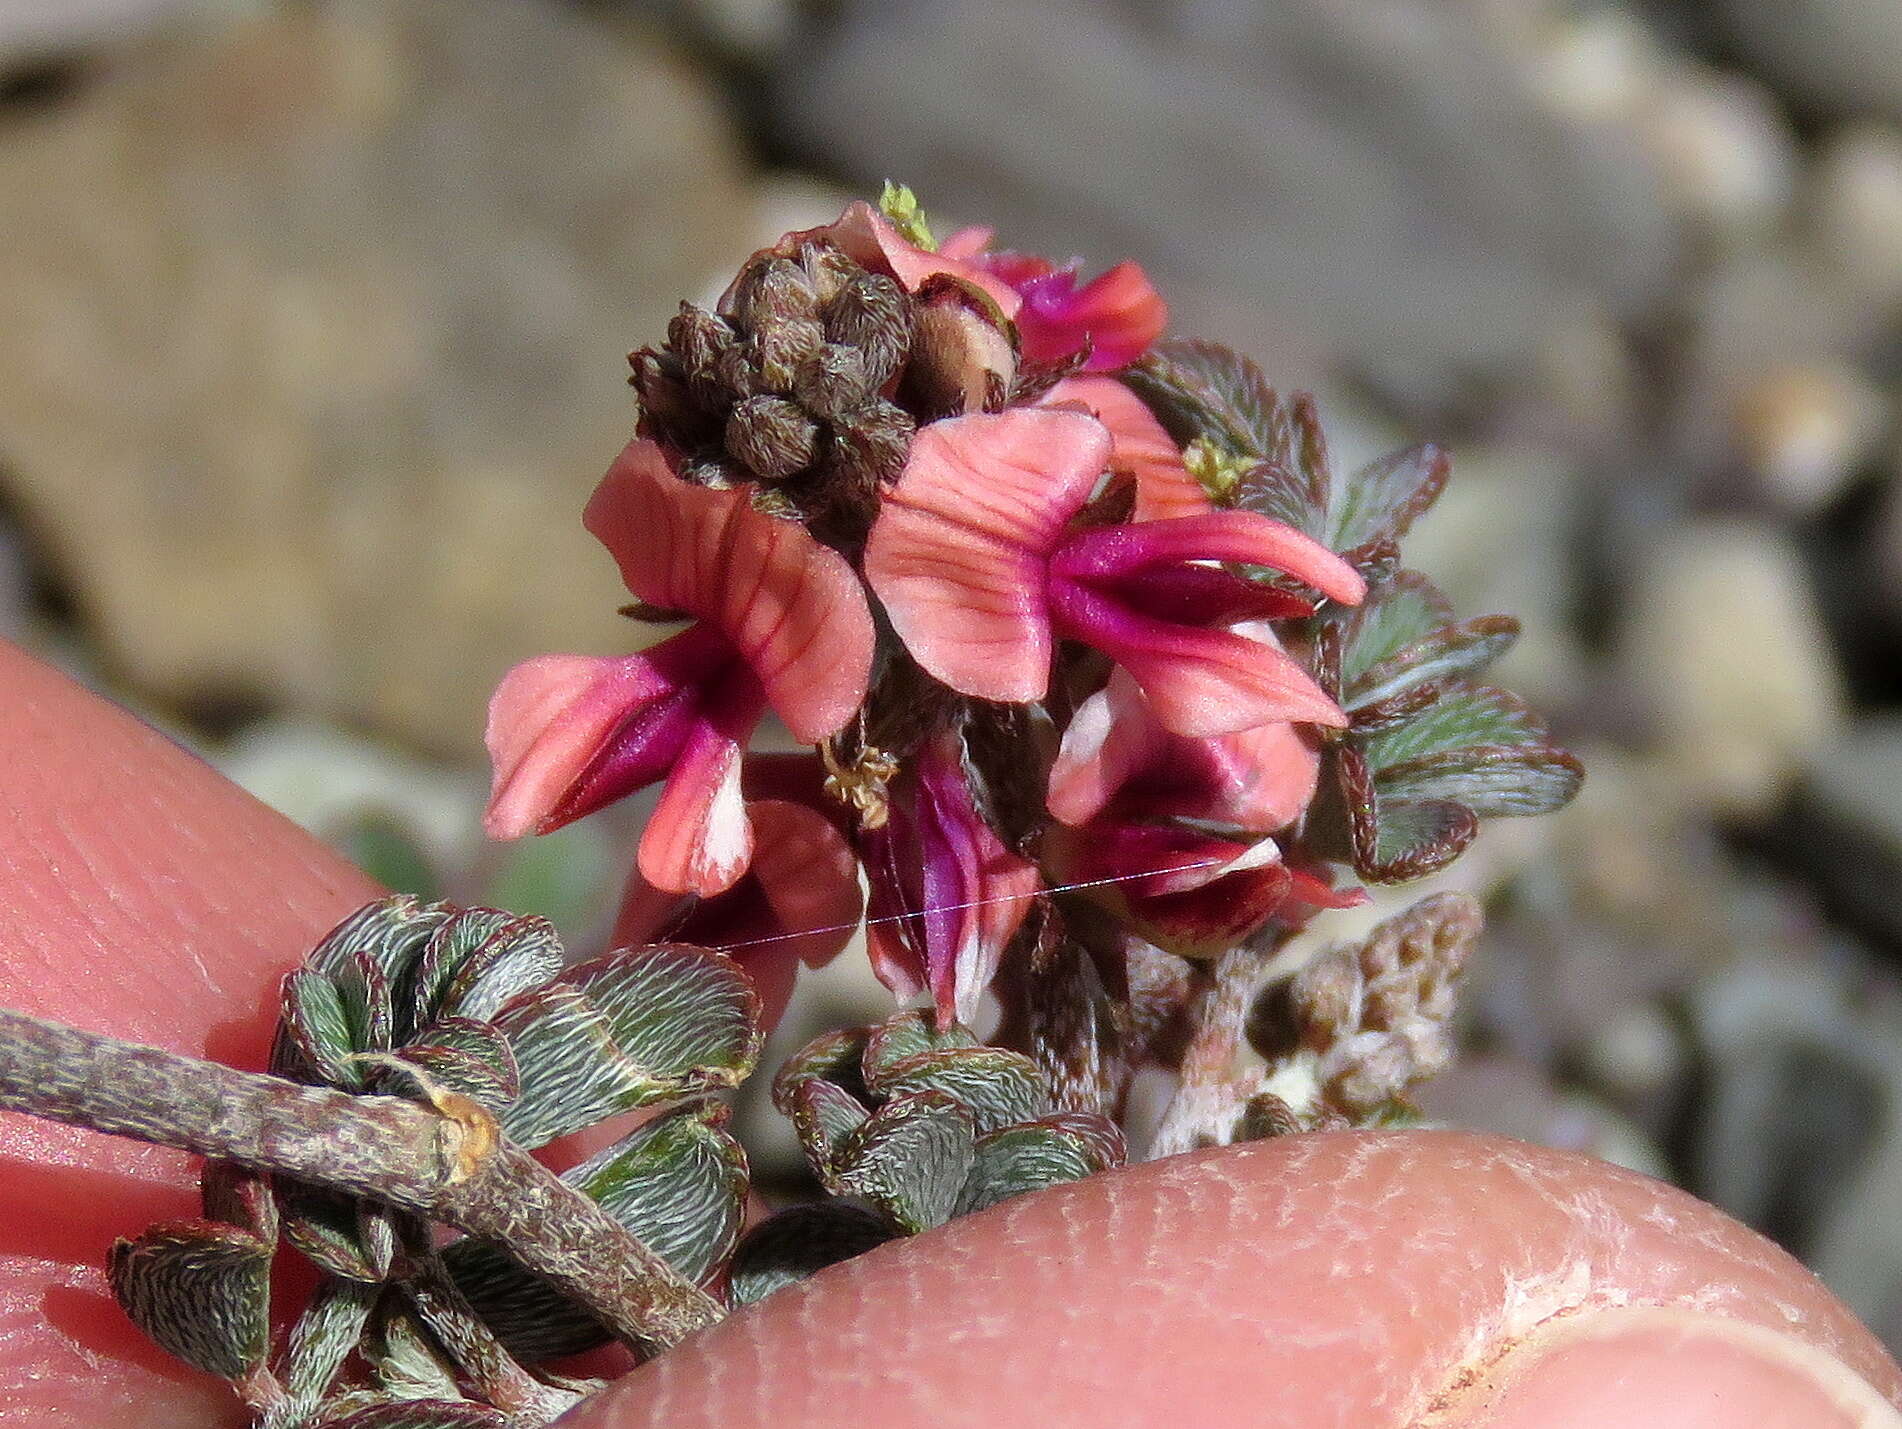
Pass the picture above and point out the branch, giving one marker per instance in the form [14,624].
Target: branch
[1209,1096]
[450,1162]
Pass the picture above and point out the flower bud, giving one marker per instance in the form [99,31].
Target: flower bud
[774,437]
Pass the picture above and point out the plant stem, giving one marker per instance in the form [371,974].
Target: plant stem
[1209,1097]
[453,1166]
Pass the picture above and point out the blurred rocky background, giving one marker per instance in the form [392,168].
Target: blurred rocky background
[314,316]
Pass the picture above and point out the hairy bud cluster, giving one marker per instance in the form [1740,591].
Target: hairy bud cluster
[807,381]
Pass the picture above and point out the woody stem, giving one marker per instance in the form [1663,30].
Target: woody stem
[1208,1090]
[454,1168]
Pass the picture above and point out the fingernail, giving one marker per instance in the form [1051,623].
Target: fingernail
[1665,1369]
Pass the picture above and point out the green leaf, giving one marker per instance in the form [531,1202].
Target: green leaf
[1449,652]
[635,1027]
[1464,716]
[423,1414]
[1202,389]
[825,1115]
[1397,613]
[315,1039]
[1490,780]
[1101,1139]
[463,1055]
[1281,491]
[1384,498]
[533,1320]
[1394,841]
[350,1239]
[679,1183]
[833,1056]
[910,1159]
[799,1242]
[390,931]
[480,959]
[325,1335]
[998,1088]
[1411,840]
[239,1197]
[908,1034]
[363,987]
[201,1290]
[1019,1159]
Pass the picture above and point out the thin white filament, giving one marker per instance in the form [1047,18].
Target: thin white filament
[974,903]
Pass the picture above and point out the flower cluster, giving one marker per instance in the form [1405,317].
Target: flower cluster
[934,507]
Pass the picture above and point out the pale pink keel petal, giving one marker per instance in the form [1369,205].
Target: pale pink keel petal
[967,244]
[1110,737]
[1268,774]
[1118,312]
[698,839]
[549,719]
[958,552]
[792,607]
[1140,448]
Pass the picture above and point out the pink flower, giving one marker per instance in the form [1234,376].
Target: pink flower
[1118,313]
[1144,807]
[1142,802]
[973,561]
[798,902]
[569,734]
[781,621]
[946,894]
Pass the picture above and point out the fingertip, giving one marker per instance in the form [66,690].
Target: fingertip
[1347,1280]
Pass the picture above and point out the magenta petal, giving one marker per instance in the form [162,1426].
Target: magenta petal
[946,894]
[792,607]
[1186,892]
[1239,536]
[1119,313]
[958,552]
[1199,682]
[1209,595]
